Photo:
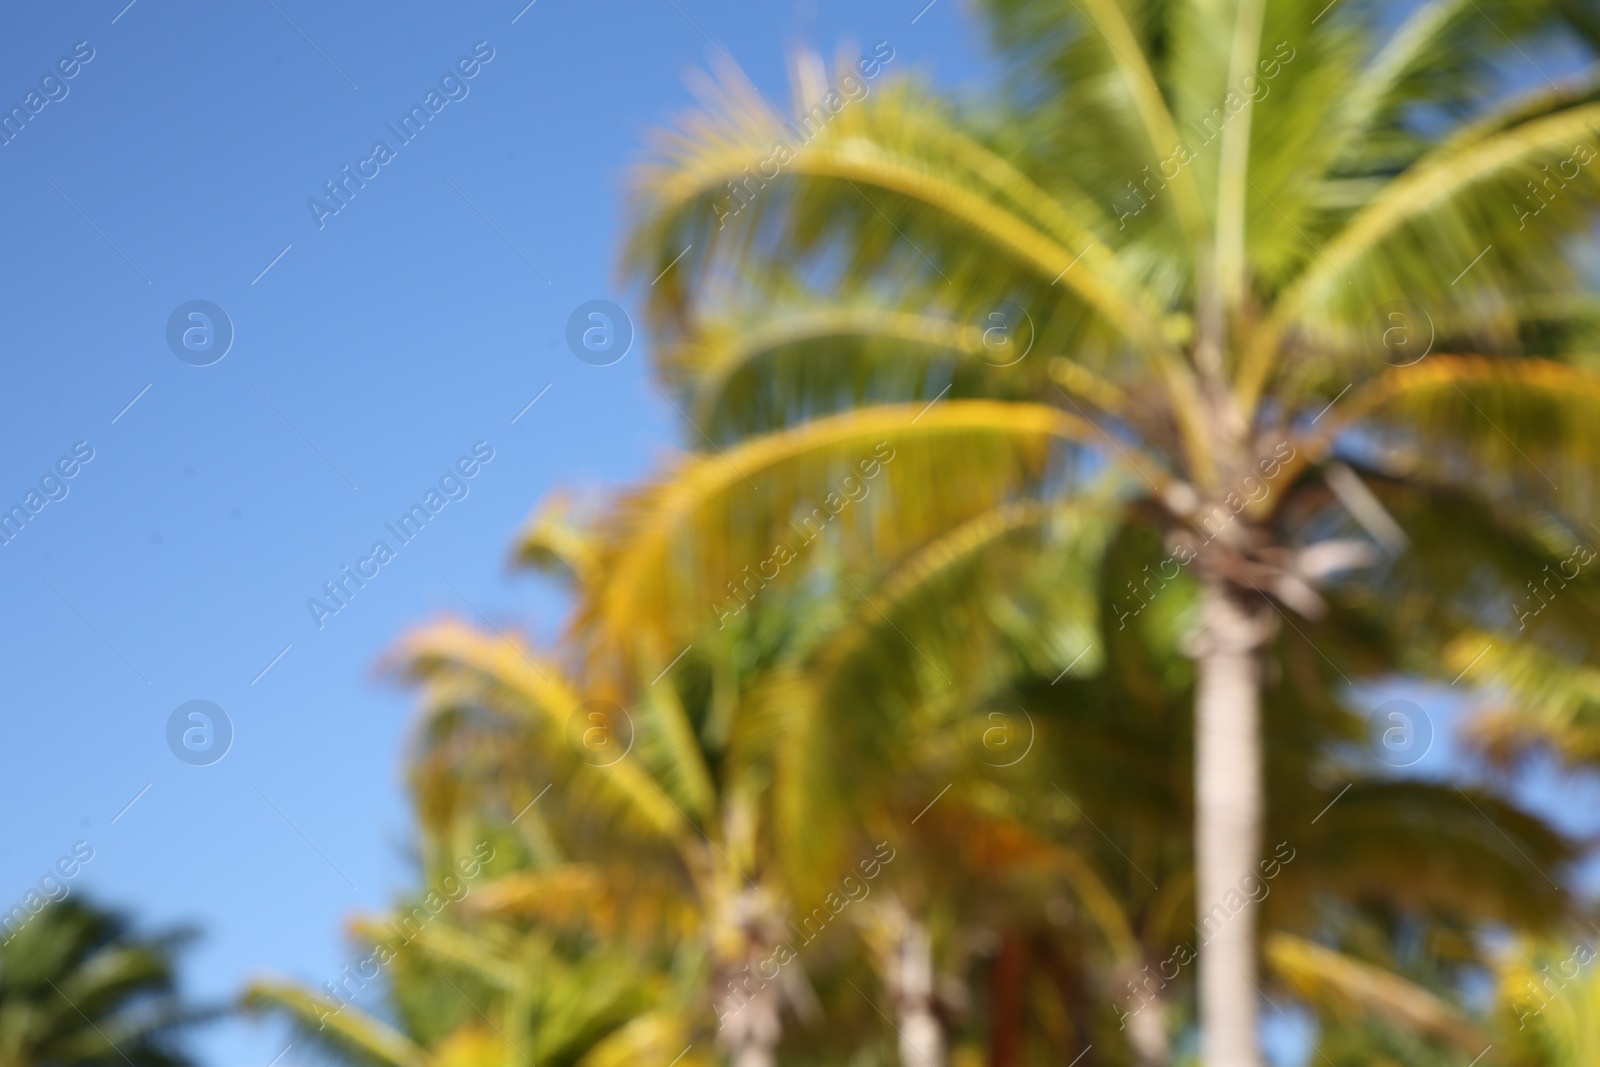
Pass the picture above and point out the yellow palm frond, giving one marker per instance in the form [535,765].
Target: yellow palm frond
[1529,423]
[1534,697]
[1353,987]
[515,683]
[687,542]
[554,539]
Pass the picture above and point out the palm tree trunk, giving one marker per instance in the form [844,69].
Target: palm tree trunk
[1228,810]
[758,1052]
[1147,1032]
[921,1036]
[751,1033]
[750,1009]
[1007,989]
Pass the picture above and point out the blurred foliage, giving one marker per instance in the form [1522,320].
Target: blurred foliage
[872,736]
[80,987]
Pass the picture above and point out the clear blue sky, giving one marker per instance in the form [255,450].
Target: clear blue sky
[176,167]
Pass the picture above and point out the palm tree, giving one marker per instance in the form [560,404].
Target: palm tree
[1113,741]
[653,812]
[78,988]
[1204,245]
[1119,748]
[493,997]
[459,987]
[735,805]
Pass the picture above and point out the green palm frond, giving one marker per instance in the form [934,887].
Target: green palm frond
[79,985]
[1466,852]
[1419,233]
[1534,697]
[801,360]
[883,152]
[341,1028]
[1523,429]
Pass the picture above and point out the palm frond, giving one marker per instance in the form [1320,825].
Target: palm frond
[1343,984]
[339,1027]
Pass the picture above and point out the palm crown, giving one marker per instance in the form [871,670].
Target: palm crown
[77,986]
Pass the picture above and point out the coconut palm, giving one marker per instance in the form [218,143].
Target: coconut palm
[459,997]
[79,987]
[1119,747]
[436,983]
[984,856]
[654,810]
[732,810]
[1288,268]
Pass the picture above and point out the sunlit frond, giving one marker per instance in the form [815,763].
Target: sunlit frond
[700,541]
[1346,985]
[537,698]
[340,1027]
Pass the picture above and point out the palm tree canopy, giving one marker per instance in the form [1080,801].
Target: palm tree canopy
[1291,287]
[79,987]
[1187,332]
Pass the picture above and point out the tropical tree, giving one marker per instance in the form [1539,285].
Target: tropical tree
[656,803]
[440,982]
[493,996]
[78,986]
[687,845]
[1113,753]
[1112,768]
[1289,268]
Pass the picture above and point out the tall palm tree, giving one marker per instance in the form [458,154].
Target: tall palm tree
[1118,747]
[1286,266]
[79,988]
[1110,742]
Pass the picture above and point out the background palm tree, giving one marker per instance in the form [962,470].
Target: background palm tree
[1079,793]
[1188,246]
[453,983]
[659,804]
[723,740]
[79,987]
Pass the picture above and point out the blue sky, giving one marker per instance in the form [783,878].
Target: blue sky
[371,356]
